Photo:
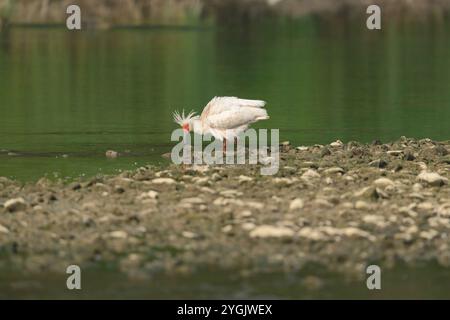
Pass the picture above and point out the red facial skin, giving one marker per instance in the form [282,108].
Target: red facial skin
[186,127]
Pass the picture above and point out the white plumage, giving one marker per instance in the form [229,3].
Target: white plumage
[224,117]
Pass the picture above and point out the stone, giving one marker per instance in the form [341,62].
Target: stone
[164,181]
[432,178]
[337,144]
[148,195]
[362,205]
[394,152]
[189,234]
[248,226]
[111,154]
[310,174]
[17,204]
[383,182]
[267,231]
[378,163]
[334,170]
[325,152]
[227,229]
[119,234]
[3,229]
[296,204]
[243,178]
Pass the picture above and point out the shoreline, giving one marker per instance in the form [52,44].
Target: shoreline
[339,206]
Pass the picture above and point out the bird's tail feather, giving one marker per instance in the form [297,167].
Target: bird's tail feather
[252,103]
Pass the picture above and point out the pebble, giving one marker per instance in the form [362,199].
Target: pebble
[119,234]
[17,204]
[325,152]
[148,195]
[193,200]
[111,154]
[379,163]
[362,205]
[248,226]
[310,174]
[227,229]
[267,231]
[432,178]
[296,204]
[164,181]
[243,178]
[189,234]
[383,182]
[336,144]
[3,229]
[334,170]
[394,152]
[245,213]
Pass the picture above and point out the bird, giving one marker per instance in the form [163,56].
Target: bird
[223,117]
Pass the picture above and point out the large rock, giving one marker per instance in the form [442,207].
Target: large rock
[17,204]
[432,178]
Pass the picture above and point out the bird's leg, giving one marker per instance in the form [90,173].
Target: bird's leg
[224,145]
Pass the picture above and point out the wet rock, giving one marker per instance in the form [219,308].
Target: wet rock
[267,231]
[432,178]
[17,204]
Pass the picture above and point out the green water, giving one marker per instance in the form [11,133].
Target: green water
[422,282]
[80,94]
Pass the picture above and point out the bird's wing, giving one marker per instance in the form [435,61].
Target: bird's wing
[219,105]
[235,117]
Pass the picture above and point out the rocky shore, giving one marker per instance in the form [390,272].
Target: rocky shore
[341,206]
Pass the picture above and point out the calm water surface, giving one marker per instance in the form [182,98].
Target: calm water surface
[82,93]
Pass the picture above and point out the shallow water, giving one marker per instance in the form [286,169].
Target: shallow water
[423,282]
[82,93]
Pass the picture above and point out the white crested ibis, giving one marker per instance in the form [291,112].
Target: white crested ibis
[223,117]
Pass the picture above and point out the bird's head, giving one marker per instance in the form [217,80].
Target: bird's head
[185,121]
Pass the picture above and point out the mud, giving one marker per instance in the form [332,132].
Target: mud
[338,206]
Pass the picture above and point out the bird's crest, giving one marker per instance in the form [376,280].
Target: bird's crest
[181,118]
